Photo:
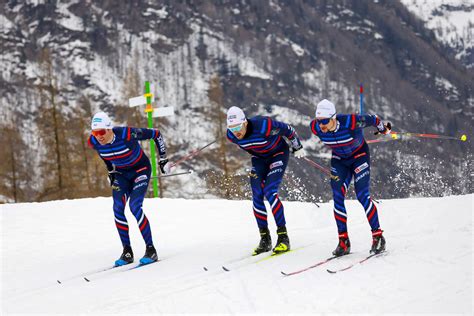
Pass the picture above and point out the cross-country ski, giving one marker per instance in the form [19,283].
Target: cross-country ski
[320,263]
[373,255]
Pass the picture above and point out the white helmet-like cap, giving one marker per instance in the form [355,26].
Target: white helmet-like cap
[235,116]
[325,109]
[101,120]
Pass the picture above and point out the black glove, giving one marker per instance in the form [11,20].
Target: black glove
[112,173]
[295,145]
[163,167]
[383,128]
[111,176]
[295,149]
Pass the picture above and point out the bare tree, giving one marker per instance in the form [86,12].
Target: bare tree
[81,180]
[15,169]
[225,183]
[8,169]
[50,123]
[132,86]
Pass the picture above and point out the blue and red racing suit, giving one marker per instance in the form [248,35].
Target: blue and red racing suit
[350,159]
[131,167]
[270,152]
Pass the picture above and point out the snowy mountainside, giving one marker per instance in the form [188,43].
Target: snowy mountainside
[270,58]
[427,269]
[453,23]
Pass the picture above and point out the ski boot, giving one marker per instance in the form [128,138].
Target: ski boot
[344,245]
[265,242]
[150,255]
[126,257]
[283,242]
[378,242]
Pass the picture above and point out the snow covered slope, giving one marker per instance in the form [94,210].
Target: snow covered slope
[452,22]
[428,267]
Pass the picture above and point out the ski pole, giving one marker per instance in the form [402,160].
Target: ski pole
[435,136]
[308,197]
[173,174]
[381,140]
[191,154]
[321,168]
[332,177]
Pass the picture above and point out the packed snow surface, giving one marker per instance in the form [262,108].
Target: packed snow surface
[428,266]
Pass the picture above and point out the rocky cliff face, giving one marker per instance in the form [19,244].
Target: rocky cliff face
[452,22]
[271,58]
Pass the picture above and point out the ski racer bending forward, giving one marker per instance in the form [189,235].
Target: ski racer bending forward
[350,158]
[262,138]
[129,174]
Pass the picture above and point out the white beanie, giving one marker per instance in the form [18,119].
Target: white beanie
[325,109]
[235,116]
[101,120]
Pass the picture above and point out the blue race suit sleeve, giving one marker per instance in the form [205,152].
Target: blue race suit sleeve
[356,121]
[132,133]
[285,130]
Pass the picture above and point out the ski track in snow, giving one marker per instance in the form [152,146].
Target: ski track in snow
[428,267]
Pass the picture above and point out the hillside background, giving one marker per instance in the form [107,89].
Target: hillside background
[63,61]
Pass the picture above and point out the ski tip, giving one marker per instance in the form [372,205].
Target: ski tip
[59,281]
[225,269]
[87,279]
[330,271]
[285,274]
[205,269]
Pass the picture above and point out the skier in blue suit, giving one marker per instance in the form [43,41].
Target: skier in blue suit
[350,159]
[129,173]
[263,139]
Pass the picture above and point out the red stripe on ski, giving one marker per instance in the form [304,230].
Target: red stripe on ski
[357,262]
[310,267]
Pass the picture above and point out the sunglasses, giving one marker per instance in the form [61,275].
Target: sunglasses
[236,128]
[99,132]
[325,120]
